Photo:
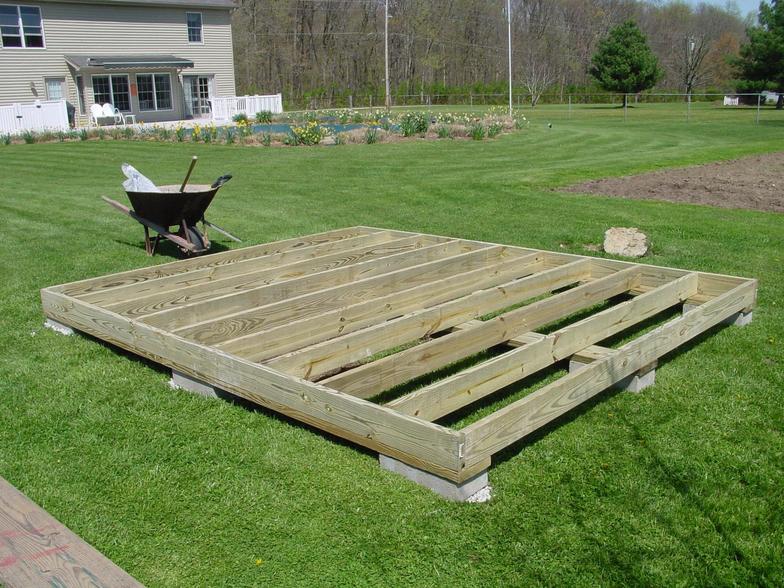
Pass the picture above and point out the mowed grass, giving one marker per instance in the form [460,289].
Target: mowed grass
[680,485]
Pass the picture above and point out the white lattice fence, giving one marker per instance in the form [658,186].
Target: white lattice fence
[225,108]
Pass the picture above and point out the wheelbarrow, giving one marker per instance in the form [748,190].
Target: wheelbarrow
[183,206]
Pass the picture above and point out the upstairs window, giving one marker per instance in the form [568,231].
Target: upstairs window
[20,26]
[194,27]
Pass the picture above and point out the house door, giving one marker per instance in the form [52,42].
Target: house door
[197,95]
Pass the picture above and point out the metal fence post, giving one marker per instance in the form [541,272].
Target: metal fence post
[688,108]
[759,99]
[570,106]
[625,100]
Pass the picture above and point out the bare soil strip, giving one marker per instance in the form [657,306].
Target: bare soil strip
[755,183]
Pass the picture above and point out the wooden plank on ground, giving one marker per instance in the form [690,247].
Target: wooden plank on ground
[228,304]
[414,441]
[317,360]
[37,550]
[461,389]
[250,334]
[121,279]
[374,377]
[509,424]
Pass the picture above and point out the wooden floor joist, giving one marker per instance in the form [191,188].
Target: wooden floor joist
[319,326]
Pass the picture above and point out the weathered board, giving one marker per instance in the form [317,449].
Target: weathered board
[37,550]
[318,327]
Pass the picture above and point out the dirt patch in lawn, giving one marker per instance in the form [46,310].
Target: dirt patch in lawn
[755,182]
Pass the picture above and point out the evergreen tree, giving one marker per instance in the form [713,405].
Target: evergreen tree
[761,62]
[624,63]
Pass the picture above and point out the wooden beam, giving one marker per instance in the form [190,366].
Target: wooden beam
[317,360]
[416,442]
[38,551]
[509,424]
[142,305]
[450,394]
[290,260]
[370,379]
[121,279]
[250,334]
[192,313]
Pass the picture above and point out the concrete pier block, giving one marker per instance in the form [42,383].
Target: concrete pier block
[475,489]
[739,319]
[180,381]
[58,327]
[637,382]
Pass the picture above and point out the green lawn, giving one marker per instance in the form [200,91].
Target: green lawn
[681,485]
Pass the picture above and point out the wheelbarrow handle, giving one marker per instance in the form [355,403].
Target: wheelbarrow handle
[163,231]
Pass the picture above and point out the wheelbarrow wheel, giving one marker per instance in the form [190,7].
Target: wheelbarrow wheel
[196,238]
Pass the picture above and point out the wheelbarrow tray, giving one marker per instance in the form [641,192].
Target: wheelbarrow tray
[170,206]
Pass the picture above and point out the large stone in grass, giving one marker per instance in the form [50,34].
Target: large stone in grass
[626,241]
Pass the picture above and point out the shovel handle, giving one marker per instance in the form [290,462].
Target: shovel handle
[190,171]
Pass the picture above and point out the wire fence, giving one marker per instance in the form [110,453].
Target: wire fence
[754,107]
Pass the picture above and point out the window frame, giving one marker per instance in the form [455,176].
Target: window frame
[21,27]
[201,28]
[155,91]
[111,88]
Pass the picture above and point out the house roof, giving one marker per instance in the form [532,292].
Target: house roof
[79,62]
[218,4]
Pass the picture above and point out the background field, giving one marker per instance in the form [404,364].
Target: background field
[680,485]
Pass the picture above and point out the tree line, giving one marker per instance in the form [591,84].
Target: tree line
[334,48]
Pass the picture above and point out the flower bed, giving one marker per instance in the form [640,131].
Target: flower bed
[330,127]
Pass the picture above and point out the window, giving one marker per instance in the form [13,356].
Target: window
[194,26]
[55,88]
[112,89]
[155,91]
[21,27]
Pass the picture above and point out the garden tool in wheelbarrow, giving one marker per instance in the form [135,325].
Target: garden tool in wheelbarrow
[159,208]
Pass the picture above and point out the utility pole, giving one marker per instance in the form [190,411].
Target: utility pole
[387,100]
[509,47]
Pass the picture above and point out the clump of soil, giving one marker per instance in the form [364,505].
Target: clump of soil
[755,183]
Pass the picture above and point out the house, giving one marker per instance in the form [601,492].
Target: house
[159,60]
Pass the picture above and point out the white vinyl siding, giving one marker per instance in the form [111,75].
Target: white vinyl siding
[154,91]
[21,27]
[76,28]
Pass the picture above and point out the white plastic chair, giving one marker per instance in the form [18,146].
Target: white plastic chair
[96,113]
[109,111]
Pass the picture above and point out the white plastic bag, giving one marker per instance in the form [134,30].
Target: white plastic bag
[136,182]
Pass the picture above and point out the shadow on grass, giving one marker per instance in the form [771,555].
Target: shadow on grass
[166,248]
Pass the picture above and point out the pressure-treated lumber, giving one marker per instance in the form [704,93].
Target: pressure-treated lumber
[314,326]
[37,550]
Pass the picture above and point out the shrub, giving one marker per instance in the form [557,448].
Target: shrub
[444,132]
[29,137]
[264,117]
[231,136]
[83,134]
[6,139]
[128,133]
[413,123]
[309,134]
[61,136]
[340,139]
[520,122]
[476,131]
[494,129]
[240,117]
[371,135]
[179,133]
[266,139]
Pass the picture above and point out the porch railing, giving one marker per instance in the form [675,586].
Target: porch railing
[226,107]
[41,115]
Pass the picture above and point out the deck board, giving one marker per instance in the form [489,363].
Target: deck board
[38,550]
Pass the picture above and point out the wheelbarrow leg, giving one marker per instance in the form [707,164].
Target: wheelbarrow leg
[147,243]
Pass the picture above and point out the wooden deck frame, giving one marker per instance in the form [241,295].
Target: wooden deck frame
[311,328]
